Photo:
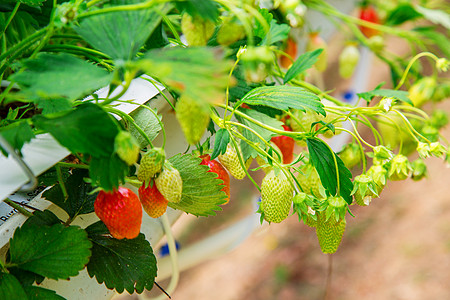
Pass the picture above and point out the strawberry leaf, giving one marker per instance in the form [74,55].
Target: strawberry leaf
[38,293]
[284,97]
[52,76]
[17,134]
[207,9]
[80,201]
[147,121]
[121,264]
[120,34]
[301,64]
[322,159]
[108,172]
[202,193]
[58,252]
[222,139]
[400,95]
[87,129]
[10,287]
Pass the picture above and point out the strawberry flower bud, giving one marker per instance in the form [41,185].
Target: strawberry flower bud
[442,64]
[382,155]
[379,175]
[423,149]
[400,168]
[364,189]
[437,149]
[419,169]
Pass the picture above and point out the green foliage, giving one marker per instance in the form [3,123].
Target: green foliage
[147,121]
[247,150]
[108,172]
[323,159]
[277,32]
[207,9]
[80,200]
[86,129]
[17,134]
[52,76]
[58,252]
[401,14]
[38,293]
[10,288]
[399,95]
[222,139]
[120,34]
[121,264]
[202,193]
[284,97]
[301,64]
[201,73]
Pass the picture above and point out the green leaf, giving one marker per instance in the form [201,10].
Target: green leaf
[201,189]
[400,95]
[121,264]
[277,32]
[199,72]
[402,13]
[322,159]
[258,29]
[206,9]
[247,150]
[50,177]
[38,293]
[242,87]
[50,106]
[108,172]
[303,63]
[56,252]
[10,288]
[434,15]
[120,34]
[435,38]
[41,218]
[222,139]
[26,277]
[60,75]
[80,201]
[147,121]
[284,97]
[17,134]
[31,2]
[86,129]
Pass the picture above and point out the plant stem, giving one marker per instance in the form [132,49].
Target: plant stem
[117,8]
[22,210]
[411,62]
[61,182]
[11,16]
[70,165]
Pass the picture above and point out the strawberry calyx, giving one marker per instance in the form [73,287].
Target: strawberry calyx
[364,189]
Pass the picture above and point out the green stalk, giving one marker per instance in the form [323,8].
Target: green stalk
[130,7]
[22,210]
[70,165]
[11,16]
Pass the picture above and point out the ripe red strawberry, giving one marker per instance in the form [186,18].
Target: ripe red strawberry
[276,196]
[121,211]
[155,205]
[216,167]
[369,14]
[169,183]
[286,145]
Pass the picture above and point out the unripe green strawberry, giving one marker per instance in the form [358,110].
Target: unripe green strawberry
[126,147]
[230,32]
[230,161]
[332,118]
[376,43]
[278,156]
[169,183]
[193,117]
[419,169]
[316,42]
[439,118]
[350,155]
[257,62]
[379,175]
[121,211]
[216,167]
[151,164]
[153,202]
[304,125]
[329,232]
[422,91]
[394,133]
[441,92]
[303,206]
[196,29]
[276,196]
[348,59]
[310,181]
[364,189]
[400,168]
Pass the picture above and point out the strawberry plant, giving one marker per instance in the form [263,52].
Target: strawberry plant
[243,81]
